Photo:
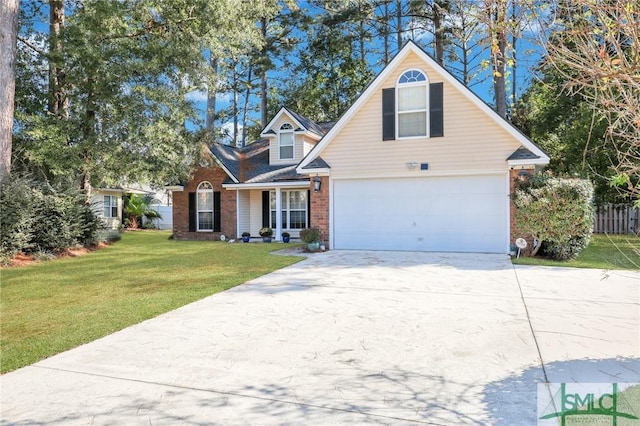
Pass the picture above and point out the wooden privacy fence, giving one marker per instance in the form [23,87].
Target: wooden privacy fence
[616,219]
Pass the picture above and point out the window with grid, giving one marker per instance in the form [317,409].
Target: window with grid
[286,141]
[412,104]
[110,206]
[294,209]
[205,207]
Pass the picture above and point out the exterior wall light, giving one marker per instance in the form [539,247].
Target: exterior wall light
[317,183]
[524,174]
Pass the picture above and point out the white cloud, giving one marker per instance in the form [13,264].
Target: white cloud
[226,133]
[197,96]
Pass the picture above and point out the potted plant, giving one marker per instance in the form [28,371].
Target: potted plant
[266,233]
[311,236]
[286,237]
[246,236]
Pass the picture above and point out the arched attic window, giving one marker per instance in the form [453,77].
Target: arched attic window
[285,142]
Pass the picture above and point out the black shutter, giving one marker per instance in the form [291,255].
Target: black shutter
[192,212]
[436,110]
[266,210]
[388,114]
[216,211]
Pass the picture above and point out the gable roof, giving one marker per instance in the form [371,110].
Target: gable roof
[251,164]
[302,123]
[538,156]
[522,154]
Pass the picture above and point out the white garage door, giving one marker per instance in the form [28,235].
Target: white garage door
[458,214]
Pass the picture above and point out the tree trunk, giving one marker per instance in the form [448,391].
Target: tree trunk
[58,104]
[263,77]
[399,23]
[245,108]
[88,138]
[85,184]
[385,31]
[499,85]
[438,33]
[514,39]
[361,34]
[497,19]
[235,104]
[211,97]
[8,35]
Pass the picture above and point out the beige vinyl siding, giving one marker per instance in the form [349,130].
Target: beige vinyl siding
[244,212]
[274,151]
[473,142]
[307,144]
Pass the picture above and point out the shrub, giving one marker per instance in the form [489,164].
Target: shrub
[556,211]
[567,250]
[34,217]
[265,232]
[17,205]
[310,235]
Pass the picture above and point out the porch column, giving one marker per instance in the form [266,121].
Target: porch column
[238,233]
[278,230]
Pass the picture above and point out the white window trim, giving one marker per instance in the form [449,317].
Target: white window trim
[290,131]
[284,207]
[198,210]
[399,85]
[111,205]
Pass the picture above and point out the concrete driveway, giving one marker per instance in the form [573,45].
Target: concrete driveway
[350,337]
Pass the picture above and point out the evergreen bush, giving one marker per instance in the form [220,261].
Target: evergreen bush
[556,211]
[34,217]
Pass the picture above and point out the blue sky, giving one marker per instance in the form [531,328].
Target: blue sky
[528,53]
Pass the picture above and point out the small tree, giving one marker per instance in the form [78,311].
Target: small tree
[557,211]
[139,206]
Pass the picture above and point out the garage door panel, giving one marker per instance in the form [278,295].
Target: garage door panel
[430,214]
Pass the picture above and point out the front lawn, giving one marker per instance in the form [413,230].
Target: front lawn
[50,307]
[603,252]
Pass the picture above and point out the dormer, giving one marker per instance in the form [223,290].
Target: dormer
[291,136]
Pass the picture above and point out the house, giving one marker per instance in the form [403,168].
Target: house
[418,162]
[108,204]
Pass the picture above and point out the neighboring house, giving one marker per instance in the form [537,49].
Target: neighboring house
[418,162]
[108,204]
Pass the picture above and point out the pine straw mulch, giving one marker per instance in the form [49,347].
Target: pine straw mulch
[22,259]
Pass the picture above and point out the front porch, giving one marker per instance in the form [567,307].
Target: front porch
[284,207]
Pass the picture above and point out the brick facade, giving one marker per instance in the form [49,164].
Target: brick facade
[320,209]
[215,176]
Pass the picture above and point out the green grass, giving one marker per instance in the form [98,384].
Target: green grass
[50,307]
[603,252]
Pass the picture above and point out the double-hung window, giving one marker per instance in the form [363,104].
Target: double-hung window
[285,141]
[294,209]
[205,207]
[110,206]
[414,108]
[412,104]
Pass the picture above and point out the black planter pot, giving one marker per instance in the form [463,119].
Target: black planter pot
[245,239]
[266,239]
[286,239]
